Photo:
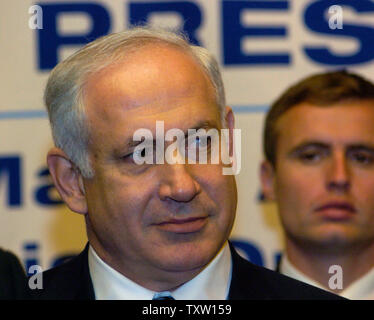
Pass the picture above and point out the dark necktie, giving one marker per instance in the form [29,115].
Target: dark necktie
[163,296]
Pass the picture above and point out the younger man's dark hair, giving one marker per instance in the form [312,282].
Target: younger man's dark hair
[323,89]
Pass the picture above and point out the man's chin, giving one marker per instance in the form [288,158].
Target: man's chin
[187,258]
[337,242]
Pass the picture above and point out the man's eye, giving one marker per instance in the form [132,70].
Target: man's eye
[364,158]
[310,156]
[199,142]
[138,153]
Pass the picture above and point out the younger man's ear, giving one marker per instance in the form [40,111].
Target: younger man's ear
[68,180]
[267,177]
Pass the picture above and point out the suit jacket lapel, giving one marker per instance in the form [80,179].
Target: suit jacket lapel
[236,289]
[245,285]
[85,290]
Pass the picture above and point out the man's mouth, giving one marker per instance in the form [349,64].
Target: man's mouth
[336,210]
[185,225]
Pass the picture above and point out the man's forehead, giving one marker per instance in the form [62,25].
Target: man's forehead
[181,114]
[345,123]
[145,80]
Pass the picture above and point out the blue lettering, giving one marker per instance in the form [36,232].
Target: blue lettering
[251,252]
[11,167]
[315,21]
[49,38]
[31,250]
[234,32]
[277,259]
[190,12]
[261,196]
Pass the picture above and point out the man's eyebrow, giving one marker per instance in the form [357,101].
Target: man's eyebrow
[205,124]
[309,144]
[361,147]
[130,143]
[321,145]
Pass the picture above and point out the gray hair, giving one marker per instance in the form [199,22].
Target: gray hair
[64,91]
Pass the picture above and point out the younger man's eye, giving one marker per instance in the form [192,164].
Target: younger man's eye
[310,156]
[362,157]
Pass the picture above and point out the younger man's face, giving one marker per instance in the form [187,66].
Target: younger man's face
[323,182]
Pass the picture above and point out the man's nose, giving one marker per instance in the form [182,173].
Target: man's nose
[178,183]
[338,174]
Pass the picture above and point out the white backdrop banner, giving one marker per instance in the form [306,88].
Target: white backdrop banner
[262,47]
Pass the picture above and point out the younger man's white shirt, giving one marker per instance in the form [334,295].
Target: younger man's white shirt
[361,289]
[213,283]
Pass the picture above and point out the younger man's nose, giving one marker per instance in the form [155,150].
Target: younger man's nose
[338,174]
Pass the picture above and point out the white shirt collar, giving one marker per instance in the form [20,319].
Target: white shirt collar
[289,270]
[212,283]
[361,289]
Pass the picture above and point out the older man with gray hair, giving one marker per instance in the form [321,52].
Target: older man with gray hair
[155,230]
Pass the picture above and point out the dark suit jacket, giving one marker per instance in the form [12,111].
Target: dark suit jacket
[12,277]
[71,281]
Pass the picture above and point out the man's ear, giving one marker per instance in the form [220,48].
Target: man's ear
[267,177]
[68,180]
